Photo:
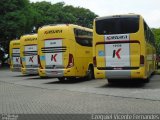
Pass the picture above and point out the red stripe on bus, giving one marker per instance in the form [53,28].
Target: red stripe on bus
[115,42]
[54,39]
[30,45]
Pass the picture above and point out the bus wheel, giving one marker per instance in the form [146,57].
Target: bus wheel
[147,80]
[90,73]
[1,63]
[110,81]
[43,77]
[61,78]
[115,81]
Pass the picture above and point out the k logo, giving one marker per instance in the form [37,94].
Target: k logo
[116,53]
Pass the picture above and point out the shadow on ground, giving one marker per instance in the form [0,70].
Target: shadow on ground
[157,72]
[124,84]
[39,78]
[68,81]
[25,76]
[4,67]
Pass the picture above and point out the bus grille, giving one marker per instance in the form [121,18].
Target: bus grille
[32,66]
[53,49]
[17,65]
[54,67]
[15,54]
[29,53]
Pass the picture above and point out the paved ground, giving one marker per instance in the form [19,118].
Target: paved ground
[21,94]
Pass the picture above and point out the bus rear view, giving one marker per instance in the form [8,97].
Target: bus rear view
[120,48]
[29,55]
[65,51]
[15,64]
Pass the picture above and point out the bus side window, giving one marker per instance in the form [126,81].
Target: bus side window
[149,36]
[84,41]
[83,38]
[145,31]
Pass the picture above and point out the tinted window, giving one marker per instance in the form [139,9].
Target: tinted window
[84,41]
[149,36]
[83,38]
[117,25]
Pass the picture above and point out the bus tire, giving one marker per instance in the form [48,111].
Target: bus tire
[1,63]
[147,80]
[110,81]
[43,77]
[61,78]
[90,73]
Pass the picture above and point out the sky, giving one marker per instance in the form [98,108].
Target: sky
[149,9]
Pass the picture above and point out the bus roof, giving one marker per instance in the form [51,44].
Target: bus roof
[14,41]
[28,36]
[64,25]
[118,16]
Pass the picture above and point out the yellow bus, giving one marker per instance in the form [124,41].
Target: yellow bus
[29,54]
[14,50]
[65,51]
[123,48]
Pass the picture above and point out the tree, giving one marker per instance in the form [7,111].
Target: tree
[15,19]
[157,38]
[48,13]
[84,17]
[18,17]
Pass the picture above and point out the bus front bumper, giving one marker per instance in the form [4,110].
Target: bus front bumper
[69,72]
[120,74]
[30,71]
[51,73]
[15,69]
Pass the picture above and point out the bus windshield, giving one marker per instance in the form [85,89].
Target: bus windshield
[117,25]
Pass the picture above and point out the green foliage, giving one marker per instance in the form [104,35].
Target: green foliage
[15,19]
[157,37]
[83,17]
[48,13]
[18,17]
